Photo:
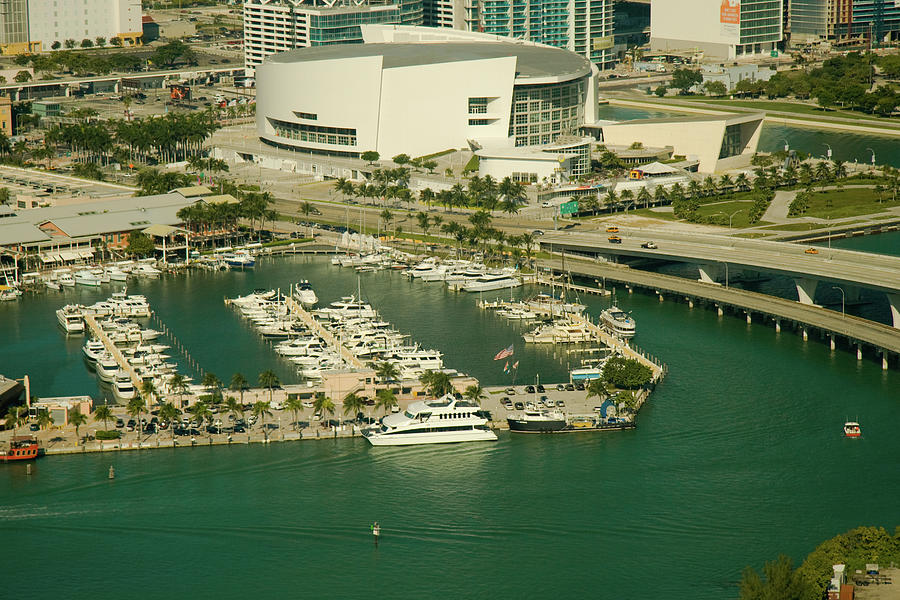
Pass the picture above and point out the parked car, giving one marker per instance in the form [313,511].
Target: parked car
[529,389]
[560,387]
[560,404]
[540,389]
[519,406]
[131,425]
[579,386]
[34,427]
[511,391]
[120,423]
[570,387]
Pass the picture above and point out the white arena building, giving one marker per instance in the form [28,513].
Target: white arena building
[418,92]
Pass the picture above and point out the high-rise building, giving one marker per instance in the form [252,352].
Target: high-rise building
[718,28]
[34,25]
[452,14]
[878,20]
[272,26]
[813,20]
[582,26]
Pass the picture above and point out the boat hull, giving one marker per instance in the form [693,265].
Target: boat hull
[535,426]
[414,439]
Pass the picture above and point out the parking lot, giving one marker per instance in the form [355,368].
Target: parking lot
[571,401]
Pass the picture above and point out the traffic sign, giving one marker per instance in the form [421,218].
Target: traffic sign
[568,208]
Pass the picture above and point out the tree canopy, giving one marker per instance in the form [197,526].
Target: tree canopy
[626,373]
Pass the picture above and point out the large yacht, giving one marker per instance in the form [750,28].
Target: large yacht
[71,318]
[559,333]
[305,294]
[537,421]
[437,421]
[492,281]
[618,322]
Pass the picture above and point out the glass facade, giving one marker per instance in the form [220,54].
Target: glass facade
[731,141]
[13,22]
[542,113]
[880,17]
[761,21]
[340,136]
[809,17]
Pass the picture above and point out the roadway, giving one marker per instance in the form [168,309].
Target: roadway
[882,337]
[875,271]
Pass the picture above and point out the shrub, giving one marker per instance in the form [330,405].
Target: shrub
[108,435]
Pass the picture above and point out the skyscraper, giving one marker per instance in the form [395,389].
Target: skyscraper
[876,19]
[272,26]
[812,20]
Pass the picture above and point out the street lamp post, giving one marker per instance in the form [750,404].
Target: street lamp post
[843,297]
[873,157]
[726,273]
[732,216]
[829,151]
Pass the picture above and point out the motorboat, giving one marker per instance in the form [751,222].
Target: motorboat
[85,277]
[305,294]
[20,447]
[618,322]
[107,367]
[537,421]
[347,307]
[437,421]
[559,333]
[492,281]
[116,274]
[852,429]
[92,350]
[71,318]
[52,284]
[587,371]
[145,270]
[517,313]
[101,274]
[240,258]
[555,306]
[65,279]
[123,387]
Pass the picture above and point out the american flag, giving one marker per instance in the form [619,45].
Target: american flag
[506,352]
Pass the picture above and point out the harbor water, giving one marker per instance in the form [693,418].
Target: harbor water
[737,457]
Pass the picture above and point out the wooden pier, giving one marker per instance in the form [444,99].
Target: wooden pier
[316,327]
[98,333]
[543,279]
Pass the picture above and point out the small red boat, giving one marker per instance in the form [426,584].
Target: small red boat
[23,447]
[852,430]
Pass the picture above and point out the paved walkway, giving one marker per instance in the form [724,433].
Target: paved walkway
[778,208]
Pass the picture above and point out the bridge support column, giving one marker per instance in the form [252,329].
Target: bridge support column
[660,296]
[806,290]
[690,303]
[894,301]
[884,361]
[858,352]
[805,334]
[749,319]
[831,343]
[710,273]
[720,311]
[777,326]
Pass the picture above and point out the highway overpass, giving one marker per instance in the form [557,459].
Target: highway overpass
[884,339]
[715,254]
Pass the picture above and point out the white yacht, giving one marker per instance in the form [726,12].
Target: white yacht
[555,306]
[123,388]
[107,367]
[347,307]
[146,270]
[305,294]
[116,274]
[92,350]
[240,258]
[436,421]
[618,322]
[559,333]
[65,279]
[492,281]
[71,318]
[85,277]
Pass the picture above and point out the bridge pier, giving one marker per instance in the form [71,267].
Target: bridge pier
[831,343]
[749,318]
[806,289]
[894,301]
[777,326]
[805,334]
[859,352]
[690,302]
[719,310]
[658,293]
[884,360]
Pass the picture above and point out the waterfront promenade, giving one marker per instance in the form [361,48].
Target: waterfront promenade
[859,332]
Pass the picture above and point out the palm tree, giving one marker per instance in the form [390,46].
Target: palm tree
[387,371]
[14,418]
[239,383]
[323,404]
[437,383]
[269,380]
[135,408]
[169,413]
[823,171]
[103,413]
[148,390]
[178,384]
[643,197]
[353,404]
[234,407]
[261,410]
[742,182]
[201,412]
[295,405]
[596,387]
[44,419]
[77,419]
[475,393]
[212,384]
[385,399]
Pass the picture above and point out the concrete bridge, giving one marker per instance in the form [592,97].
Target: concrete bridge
[715,254]
[861,333]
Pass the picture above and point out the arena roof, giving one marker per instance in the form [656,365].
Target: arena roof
[534,61]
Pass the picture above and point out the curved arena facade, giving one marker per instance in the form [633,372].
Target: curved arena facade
[423,96]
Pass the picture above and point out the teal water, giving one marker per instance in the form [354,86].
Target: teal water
[737,457]
[846,146]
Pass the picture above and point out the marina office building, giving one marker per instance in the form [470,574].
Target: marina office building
[724,29]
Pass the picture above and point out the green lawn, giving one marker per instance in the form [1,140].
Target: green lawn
[837,204]
[792,107]
[723,210]
[652,214]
